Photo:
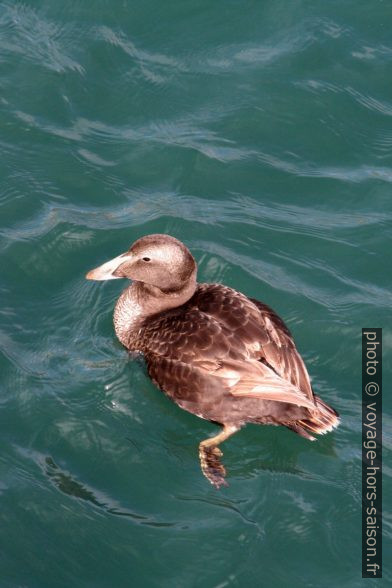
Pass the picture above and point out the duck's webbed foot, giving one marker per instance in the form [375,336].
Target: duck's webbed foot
[209,454]
[211,466]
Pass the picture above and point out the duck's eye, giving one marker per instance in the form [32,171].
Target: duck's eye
[146,259]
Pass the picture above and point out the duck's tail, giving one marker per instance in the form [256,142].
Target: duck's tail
[322,421]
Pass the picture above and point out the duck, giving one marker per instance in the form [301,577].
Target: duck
[215,352]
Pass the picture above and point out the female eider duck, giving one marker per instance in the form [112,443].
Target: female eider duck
[223,356]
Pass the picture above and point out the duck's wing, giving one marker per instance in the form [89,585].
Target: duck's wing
[219,326]
[280,352]
[253,330]
[201,383]
[254,379]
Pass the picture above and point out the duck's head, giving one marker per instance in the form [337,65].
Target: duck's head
[158,260]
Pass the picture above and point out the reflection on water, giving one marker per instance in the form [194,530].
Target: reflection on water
[65,483]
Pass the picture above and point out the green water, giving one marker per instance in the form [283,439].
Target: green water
[260,134]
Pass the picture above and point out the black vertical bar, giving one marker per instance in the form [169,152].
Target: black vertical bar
[371,453]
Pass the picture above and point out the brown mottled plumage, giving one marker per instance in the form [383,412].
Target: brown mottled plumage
[214,351]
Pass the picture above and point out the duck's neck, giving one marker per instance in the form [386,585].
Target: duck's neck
[139,301]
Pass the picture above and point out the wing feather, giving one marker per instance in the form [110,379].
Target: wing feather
[253,379]
[239,342]
[281,353]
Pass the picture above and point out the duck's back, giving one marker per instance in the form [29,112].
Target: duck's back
[216,323]
[188,348]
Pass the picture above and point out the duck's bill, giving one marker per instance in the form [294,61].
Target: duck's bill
[107,271]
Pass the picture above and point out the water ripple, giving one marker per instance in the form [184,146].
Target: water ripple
[380,106]
[306,169]
[119,39]
[37,39]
